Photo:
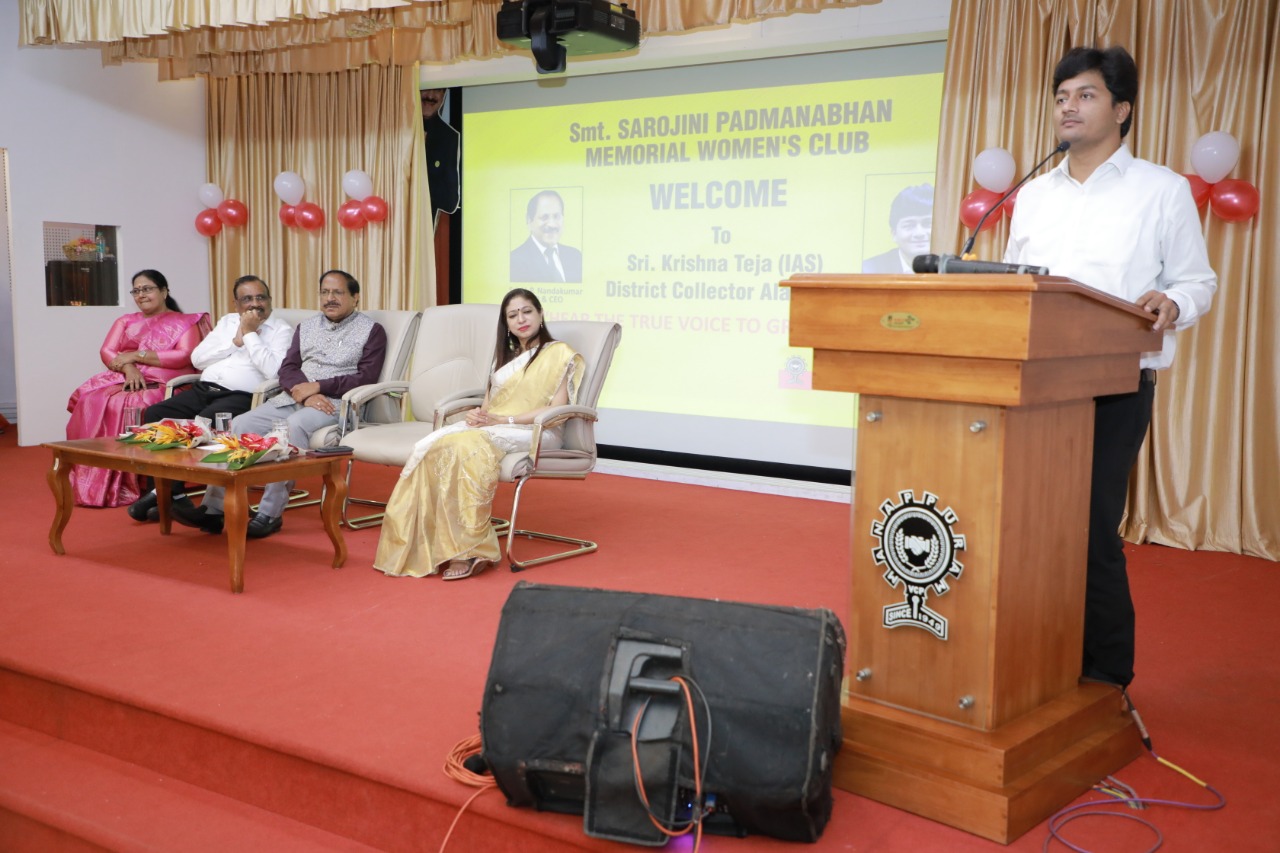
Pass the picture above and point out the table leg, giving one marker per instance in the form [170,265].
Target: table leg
[59,478]
[235,525]
[164,496]
[335,496]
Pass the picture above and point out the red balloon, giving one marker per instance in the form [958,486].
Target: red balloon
[1010,202]
[1234,200]
[351,215]
[233,213]
[309,215]
[287,215]
[207,222]
[1199,189]
[974,205]
[375,209]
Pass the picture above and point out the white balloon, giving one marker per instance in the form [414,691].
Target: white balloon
[357,184]
[290,187]
[1214,155]
[210,195]
[993,169]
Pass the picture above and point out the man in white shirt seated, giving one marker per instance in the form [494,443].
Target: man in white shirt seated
[241,352]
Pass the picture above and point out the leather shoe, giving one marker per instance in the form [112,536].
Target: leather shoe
[185,512]
[262,525]
[140,509]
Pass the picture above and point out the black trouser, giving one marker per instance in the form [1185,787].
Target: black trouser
[203,399]
[1120,424]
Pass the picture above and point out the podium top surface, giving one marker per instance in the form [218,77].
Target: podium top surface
[999,339]
[1008,317]
[962,283]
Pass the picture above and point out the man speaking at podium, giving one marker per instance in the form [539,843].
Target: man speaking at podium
[1130,228]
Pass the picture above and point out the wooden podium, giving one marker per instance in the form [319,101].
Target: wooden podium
[974,441]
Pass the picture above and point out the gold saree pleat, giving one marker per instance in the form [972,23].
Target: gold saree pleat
[1209,475]
[440,512]
[321,126]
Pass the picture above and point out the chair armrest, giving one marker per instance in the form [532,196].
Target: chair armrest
[455,403]
[355,399]
[364,393]
[268,389]
[178,381]
[553,417]
[557,415]
[460,395]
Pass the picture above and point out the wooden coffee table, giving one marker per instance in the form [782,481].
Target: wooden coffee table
[185,466]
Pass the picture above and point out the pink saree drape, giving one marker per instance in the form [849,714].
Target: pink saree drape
[97,406]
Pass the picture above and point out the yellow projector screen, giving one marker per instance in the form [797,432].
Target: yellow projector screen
[677,201]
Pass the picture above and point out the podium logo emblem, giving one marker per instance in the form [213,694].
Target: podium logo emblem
[917,545]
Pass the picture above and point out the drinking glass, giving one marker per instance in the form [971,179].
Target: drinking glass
[132,417]
[222,422]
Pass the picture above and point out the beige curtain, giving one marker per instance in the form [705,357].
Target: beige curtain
[321,126]
[222,38]
[1209,475]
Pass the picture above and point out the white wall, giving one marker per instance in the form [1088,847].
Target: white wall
[99,145]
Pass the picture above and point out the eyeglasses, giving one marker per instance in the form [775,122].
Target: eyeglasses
[150,288]
[329,294]
[249,300]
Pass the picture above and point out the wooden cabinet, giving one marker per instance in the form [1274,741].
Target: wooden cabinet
[88,282]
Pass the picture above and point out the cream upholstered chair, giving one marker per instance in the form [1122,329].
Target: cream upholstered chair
[453,352]
[595,341]
[402,336]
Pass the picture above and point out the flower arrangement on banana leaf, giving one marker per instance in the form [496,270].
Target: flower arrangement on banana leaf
[240,451]
[165,434]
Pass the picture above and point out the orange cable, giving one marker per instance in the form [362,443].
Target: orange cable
[697,770]
[455,770]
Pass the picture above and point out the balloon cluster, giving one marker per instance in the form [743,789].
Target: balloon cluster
[363,207]
[307,215]
[993,169]
[218,211]
[1213,157]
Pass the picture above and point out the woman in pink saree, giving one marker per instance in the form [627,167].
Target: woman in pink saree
[142,352]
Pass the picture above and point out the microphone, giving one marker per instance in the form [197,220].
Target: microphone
[957,264]
[1062,146]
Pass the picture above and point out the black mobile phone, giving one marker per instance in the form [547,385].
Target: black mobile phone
[332,451]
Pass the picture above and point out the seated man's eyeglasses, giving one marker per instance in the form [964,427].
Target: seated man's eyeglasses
[249,300]
[150,288]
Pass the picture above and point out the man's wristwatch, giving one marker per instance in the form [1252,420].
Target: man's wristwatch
[511,419]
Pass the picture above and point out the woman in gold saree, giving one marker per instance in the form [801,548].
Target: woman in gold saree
[437,518]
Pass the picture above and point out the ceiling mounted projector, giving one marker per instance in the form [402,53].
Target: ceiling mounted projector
[554,29]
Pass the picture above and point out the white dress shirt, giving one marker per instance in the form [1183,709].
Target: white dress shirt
[1131,227]
[242,368]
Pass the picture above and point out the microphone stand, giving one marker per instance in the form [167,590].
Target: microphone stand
[968,245]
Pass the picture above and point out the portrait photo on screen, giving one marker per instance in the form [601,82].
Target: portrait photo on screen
[545,218]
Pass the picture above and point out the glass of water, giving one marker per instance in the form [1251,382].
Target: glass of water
[132,417]
[222,422]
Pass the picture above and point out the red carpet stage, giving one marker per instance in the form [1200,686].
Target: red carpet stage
[145,707]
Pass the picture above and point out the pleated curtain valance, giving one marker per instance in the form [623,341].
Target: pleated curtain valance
[224,38]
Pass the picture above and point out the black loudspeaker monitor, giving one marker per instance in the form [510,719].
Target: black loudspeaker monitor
[579,674]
